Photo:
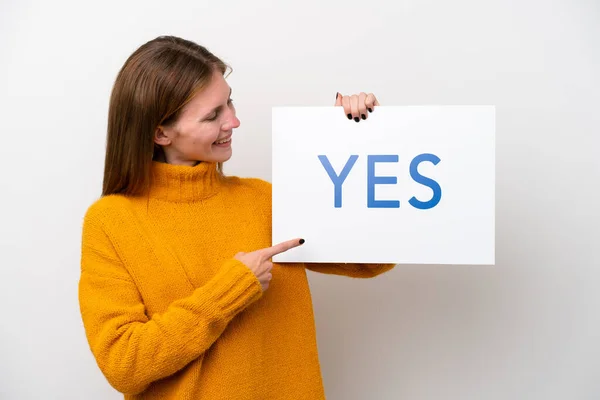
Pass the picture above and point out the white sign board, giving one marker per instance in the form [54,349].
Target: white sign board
[411,184]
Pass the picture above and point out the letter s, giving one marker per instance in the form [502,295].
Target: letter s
[414,173]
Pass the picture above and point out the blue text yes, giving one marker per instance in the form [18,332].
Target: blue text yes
[373,180]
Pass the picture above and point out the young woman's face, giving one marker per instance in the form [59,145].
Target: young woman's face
[204,128]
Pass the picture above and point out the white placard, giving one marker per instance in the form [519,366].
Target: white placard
[411,184]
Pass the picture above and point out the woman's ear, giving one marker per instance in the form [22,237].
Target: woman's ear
[161,137]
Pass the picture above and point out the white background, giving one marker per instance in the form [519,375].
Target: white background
[527,328]
[458,230]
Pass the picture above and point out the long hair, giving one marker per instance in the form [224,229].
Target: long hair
[151,89]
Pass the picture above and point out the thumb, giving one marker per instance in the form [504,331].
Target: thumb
[338,100]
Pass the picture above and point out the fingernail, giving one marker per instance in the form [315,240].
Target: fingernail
[357,119]
[301,241]
[349,116]
[370,110]
[363,116]
[337,95]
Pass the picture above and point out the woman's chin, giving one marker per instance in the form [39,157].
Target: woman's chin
[222,156]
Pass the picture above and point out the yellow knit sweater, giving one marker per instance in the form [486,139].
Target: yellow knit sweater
[170,314]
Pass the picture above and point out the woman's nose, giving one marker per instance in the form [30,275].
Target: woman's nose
[235,123]
[231,123]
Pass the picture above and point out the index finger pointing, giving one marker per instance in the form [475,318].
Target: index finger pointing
[282,247]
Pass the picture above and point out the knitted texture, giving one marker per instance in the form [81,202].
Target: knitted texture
[169,313]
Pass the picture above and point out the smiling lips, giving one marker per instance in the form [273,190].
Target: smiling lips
[223,142]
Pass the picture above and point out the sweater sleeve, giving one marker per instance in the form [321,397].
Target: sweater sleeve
[133,350]
[350,269]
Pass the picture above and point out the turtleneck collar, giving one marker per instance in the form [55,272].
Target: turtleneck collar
[183,183]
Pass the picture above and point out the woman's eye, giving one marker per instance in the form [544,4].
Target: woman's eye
[229,102]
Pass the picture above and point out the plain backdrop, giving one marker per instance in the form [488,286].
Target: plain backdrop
[526,328]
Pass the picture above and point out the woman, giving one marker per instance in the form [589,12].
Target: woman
[178,297]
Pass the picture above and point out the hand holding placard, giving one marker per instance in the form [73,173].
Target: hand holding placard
[357,105]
